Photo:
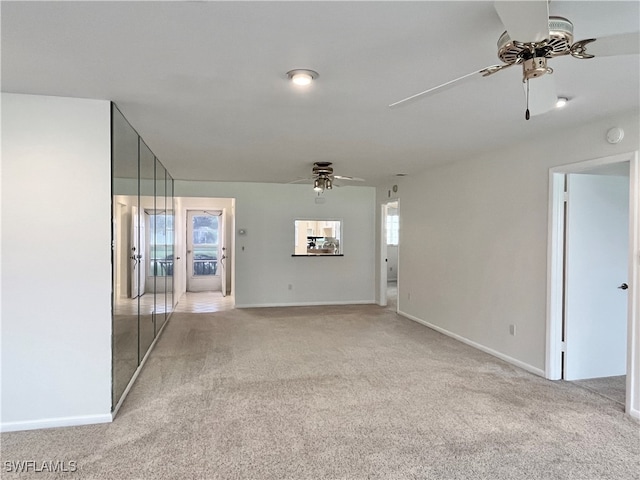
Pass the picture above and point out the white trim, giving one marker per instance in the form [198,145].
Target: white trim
[633,328]
[56,422]
[490,351]
[555,254]
[139,369]
[555,264]
[306,304]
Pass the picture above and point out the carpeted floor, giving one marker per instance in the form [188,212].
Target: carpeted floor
[350,392]
[613,388]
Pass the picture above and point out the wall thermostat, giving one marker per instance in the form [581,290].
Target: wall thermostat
[615,135]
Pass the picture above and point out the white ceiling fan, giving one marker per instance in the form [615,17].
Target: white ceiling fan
[323,177]
[531,39]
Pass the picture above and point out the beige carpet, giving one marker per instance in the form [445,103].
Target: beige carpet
[613,388]
[351,392]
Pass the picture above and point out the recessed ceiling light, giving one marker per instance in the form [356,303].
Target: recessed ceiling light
[562,101]
[302,77]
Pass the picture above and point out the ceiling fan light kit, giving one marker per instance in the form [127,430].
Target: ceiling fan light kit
[532,38]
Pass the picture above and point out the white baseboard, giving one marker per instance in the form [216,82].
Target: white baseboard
[635,414]
[490,351]
[306,304]
[55,422]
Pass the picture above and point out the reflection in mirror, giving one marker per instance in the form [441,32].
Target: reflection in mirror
[146,284]
[169,239]
[124,176]
[159,256]
[318,237]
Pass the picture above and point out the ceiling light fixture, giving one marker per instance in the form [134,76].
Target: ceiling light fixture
[322,183]
[328,184]
[562,101]
[302,77]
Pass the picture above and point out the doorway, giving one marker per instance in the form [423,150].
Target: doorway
[590,267]
[205,251]
[389,241]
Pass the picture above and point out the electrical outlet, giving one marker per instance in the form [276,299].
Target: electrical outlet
[512,329]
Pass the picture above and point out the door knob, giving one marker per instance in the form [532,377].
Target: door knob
[624,286]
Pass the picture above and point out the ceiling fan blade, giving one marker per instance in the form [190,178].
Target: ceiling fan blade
[300,180]
[622,44]
[452,83]
[525,21]
[542,94]
[352,179]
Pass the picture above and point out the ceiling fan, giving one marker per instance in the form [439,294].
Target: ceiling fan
[323,177]
[531,39]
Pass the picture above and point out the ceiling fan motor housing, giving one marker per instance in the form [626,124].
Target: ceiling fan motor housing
[322,169]
[559,43]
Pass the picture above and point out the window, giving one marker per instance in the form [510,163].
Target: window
[205,230]
[393,229]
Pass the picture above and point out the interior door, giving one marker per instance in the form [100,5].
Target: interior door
[203,250]
[597,246]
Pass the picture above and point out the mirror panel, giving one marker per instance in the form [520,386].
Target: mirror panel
[159,252]
[146,299]
[170,239]
[124,178]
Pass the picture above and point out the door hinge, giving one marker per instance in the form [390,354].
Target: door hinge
[565,196]
[563,346]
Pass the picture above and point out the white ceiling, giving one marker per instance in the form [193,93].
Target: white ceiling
[205,83]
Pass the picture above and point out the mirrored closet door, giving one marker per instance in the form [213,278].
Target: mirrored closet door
[142,253]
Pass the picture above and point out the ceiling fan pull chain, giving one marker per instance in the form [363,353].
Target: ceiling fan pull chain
[527,115]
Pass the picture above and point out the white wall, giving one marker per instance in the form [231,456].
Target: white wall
[56,270]
[264,265]
[473,240]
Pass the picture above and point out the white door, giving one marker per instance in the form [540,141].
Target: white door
[203,250]
[597,252]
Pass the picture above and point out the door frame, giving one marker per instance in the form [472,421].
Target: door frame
[555,270]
